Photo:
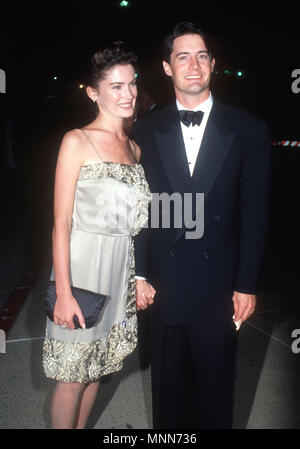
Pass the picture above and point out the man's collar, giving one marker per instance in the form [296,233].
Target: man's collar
[205,106]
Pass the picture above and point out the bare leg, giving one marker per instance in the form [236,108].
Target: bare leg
[64,405]
[87,400]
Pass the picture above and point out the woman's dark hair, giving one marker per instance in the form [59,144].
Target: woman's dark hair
[105,59]
[180,29]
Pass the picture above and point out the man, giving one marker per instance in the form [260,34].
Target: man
[201,283]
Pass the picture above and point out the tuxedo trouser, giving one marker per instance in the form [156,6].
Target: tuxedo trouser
[193,370]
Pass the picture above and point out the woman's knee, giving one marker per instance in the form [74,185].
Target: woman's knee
[73,387]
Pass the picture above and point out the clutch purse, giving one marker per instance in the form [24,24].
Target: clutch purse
[89,302]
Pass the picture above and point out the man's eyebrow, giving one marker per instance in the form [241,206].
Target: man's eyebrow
[187,53]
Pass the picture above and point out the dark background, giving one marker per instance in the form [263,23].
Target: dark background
[57,39]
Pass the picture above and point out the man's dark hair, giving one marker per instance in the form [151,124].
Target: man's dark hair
[181,29]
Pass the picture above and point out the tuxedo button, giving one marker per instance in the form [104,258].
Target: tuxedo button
[217,217]
[171,253]
[205,254]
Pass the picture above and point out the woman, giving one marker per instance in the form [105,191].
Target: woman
[101,200]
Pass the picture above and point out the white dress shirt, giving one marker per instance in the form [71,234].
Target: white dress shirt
[192,135]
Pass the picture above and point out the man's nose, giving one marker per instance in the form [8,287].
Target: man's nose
[194,62]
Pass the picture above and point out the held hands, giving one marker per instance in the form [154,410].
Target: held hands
[144,294]
[244,306]
[65,309]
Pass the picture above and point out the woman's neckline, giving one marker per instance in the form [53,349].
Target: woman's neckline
[109,162]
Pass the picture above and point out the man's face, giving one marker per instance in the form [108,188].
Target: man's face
[190,66]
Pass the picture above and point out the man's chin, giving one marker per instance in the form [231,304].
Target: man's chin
[195,90]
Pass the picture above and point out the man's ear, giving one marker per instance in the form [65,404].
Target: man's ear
[212,65]
[167,68]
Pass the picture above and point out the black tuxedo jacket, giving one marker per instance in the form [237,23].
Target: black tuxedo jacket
[195,278]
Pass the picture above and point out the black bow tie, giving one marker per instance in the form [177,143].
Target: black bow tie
[188,117]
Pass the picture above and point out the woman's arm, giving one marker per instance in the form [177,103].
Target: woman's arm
[67,169]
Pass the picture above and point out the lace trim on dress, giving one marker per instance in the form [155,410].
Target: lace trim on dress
[86,362]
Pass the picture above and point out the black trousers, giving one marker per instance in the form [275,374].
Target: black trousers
[193,371]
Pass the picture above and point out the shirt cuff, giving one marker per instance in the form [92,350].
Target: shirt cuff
[140,277]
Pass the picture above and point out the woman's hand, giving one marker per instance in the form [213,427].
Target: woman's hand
[65,309]
[144,294]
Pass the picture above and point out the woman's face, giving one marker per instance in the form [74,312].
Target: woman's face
[118,91]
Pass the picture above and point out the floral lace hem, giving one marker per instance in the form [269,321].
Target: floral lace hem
[86,362]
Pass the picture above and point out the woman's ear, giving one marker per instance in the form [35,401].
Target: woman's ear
[92,93]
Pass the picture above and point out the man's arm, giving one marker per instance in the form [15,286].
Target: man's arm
[142,239]
[144,290]
[254,213]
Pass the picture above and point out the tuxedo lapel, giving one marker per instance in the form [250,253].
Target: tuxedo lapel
[216,143]
[170,144]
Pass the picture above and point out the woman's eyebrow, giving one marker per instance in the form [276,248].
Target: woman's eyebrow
[121,82]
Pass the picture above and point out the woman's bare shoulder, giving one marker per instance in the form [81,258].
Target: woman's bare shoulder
[72,143]
[73,137]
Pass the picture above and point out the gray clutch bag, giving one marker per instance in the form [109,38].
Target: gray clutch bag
[89,302]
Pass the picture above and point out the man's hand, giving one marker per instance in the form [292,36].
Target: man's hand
[144,294]
[244,306]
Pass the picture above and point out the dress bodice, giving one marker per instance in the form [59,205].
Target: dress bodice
[111,199]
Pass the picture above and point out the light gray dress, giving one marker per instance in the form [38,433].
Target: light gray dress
[110,207]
